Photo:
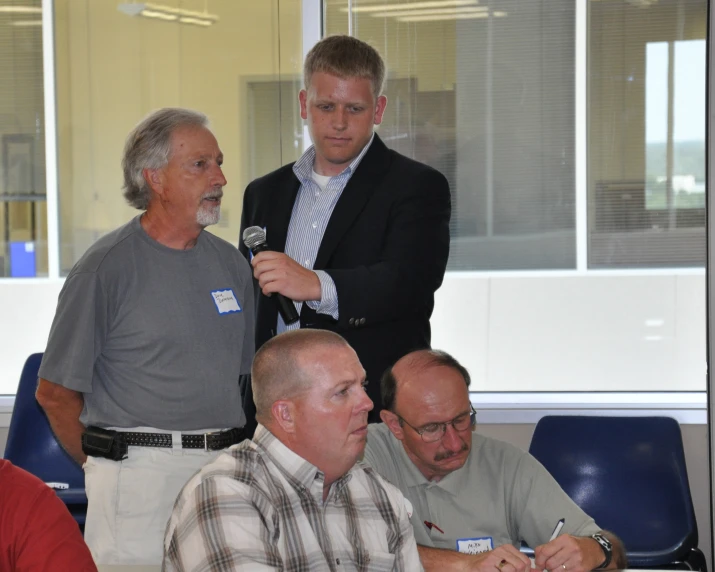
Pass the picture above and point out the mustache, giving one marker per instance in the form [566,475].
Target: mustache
[215,193]
[450,454]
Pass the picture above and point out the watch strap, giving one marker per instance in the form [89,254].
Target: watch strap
[607,548]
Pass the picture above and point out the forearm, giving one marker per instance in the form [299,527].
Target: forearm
[69,434]
[437,559]
[63,408]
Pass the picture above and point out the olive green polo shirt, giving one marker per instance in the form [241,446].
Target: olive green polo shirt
[502,495]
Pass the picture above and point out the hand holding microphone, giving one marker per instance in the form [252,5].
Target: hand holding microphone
[254,237]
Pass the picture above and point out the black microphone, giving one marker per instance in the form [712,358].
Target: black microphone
[254,237]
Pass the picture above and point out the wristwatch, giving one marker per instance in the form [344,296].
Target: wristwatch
[607,548]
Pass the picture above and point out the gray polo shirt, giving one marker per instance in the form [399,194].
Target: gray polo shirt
[154,336]
[502,495]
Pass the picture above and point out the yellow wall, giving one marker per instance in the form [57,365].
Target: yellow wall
[113,69]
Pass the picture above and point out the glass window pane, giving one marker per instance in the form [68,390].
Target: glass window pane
[647,133]
[23,212]
[485,94]
[113,69]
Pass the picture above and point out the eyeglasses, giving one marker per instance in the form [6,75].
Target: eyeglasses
[435,431]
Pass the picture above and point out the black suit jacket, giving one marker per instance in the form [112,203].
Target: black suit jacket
[385,247]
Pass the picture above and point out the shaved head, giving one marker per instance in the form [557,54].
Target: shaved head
[279,368]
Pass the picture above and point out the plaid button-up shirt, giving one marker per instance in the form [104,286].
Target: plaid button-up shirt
[259,506]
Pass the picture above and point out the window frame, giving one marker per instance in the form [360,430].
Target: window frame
[494,407]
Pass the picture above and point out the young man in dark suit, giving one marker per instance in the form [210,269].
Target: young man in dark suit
[358,234]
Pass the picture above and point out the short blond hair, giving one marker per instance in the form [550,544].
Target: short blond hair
[345,57]
[277,371]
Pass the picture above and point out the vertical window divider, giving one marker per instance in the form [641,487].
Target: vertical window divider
[51,184]
[581,134]
[312,13]
[489,123]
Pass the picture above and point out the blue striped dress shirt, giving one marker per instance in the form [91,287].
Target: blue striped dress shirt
[311,213]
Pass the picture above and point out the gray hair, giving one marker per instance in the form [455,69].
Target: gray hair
[148,146]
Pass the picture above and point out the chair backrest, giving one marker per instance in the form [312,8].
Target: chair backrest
[30,441]
[629,474]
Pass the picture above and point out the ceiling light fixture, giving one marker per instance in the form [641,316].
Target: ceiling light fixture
[20,10]
[26,23]
[159,15]
[168,13]
[195,21]
[432,11]
[411,6]
[474,16]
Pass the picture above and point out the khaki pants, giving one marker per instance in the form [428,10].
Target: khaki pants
[130,501]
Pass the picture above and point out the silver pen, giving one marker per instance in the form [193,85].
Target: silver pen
[557,528]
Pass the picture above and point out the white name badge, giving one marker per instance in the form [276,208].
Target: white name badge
[475,545]
[225,301]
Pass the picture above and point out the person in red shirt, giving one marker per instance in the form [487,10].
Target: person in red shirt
[37,532]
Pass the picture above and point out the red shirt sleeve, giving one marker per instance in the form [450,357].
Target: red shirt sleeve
[37,532]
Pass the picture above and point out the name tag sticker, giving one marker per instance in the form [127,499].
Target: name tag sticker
[475,545]
[225,301]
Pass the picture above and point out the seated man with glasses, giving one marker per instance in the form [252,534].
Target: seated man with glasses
[474,499]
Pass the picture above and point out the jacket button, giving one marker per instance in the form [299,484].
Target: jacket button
[362,321]
[351,321]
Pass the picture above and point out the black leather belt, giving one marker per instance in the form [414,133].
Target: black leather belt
[206,441]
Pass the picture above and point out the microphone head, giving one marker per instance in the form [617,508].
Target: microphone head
[254,236]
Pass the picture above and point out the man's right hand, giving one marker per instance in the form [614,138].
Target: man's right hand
[504,558]
[279,273]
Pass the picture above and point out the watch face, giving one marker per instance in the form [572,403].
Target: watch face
[602,540]
[606,547]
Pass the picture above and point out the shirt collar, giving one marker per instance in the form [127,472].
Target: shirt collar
[293,466]
[303,167]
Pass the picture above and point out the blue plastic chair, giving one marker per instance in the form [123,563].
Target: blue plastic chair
[629,474]
[32,445]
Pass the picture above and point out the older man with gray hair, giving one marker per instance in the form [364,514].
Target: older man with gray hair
[153,328]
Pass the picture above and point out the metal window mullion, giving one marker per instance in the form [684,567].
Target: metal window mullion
[50,103]
[312,32]
[710,293]
[581,133]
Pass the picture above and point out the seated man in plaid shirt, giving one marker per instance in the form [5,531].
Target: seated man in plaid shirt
[294,497]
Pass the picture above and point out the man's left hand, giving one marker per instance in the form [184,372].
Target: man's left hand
[568,553]
[279,273]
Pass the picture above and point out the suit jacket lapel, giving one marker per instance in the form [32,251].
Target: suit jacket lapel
[355,195]
[280,210]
